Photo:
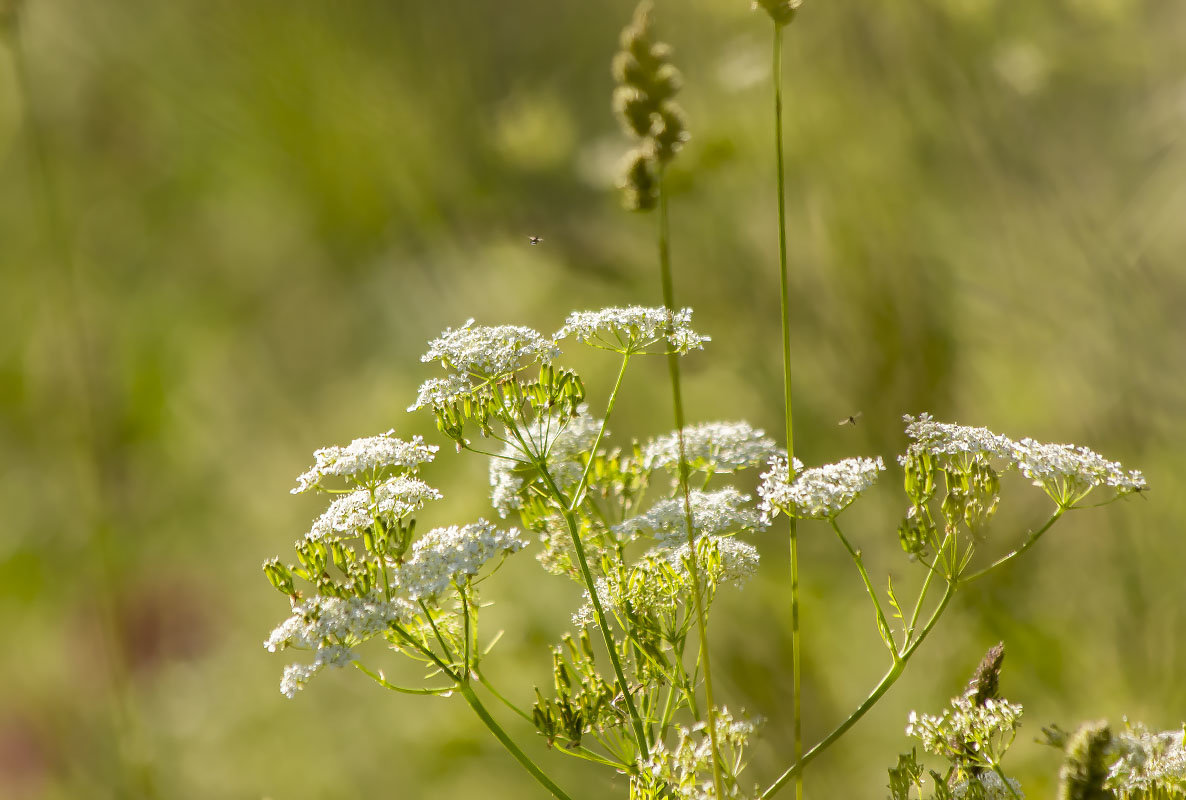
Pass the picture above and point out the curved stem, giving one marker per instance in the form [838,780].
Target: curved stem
[468,693]
[887,634]
[693,565]
[785,315]
[482,679]
[890,678]
[1033,538]
[379,679]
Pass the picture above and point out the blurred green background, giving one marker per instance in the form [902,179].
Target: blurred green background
[228,228]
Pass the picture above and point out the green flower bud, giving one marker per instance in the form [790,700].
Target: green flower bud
[640,180]
[781,11]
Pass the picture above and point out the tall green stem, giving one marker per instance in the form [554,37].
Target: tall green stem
[891,677]
[468,693]
[693,566]
[785,306]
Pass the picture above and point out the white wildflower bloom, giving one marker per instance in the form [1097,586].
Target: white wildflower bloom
[1068,472]
[489,351]
[685,769]
[559,438]
[946,439]
[987,786]
[985,730]
[394,498]
[438,392]
[817,493]
[330,626]
[632,329]
[297,675]
[365,456]
[736,561]
[724,511]
[1148,761]
[713,447]
[445,554]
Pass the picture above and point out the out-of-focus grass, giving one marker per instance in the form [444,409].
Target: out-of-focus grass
[265,211]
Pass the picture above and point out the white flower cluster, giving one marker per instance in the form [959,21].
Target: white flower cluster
[713,447]
[660,581]
[632,329]
[686,768]
[1073,470]
[733,561]
[1148,762]
[489,351]
[943,438]
[965,725]
[560,439]
[445,554]
[724,511]
[331,626]
[394,498]
[363,456]
[437,392]
[987,786]
[817,493]
[1066,472]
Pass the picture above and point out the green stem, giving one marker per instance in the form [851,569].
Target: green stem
[468,693]
[1033,538]
[891,677]
[609,409]
[785,312]
[1001,774]
[886,632]
[379,679]
[640,736]
[482,679]
[693,566]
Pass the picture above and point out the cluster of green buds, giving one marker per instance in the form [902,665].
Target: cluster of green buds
[643,102]
[970,491]
[556,390]
[584,701]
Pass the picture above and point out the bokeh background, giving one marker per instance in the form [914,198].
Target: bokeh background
[228,228]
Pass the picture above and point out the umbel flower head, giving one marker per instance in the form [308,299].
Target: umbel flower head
[722,512]
[818,493]
[631,330]
[713,447]
[365,457]
[647,82]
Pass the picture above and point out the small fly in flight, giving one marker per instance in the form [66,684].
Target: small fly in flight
[850,420]
[535,239]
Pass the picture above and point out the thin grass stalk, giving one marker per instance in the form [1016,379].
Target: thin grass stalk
[785,313]
[693,566]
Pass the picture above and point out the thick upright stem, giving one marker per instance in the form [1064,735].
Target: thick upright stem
[785,306]
[693,565]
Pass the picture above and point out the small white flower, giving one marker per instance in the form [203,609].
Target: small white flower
[632,329]
[1148,761]
[725,511]
[350,514]
[713,447]
[942,438]
[439,392]
[993,788]
[445,554]
[363,456]
[988,728]
[1068,472]
[489,351]
[817,493]
[737,563]
[559,438]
